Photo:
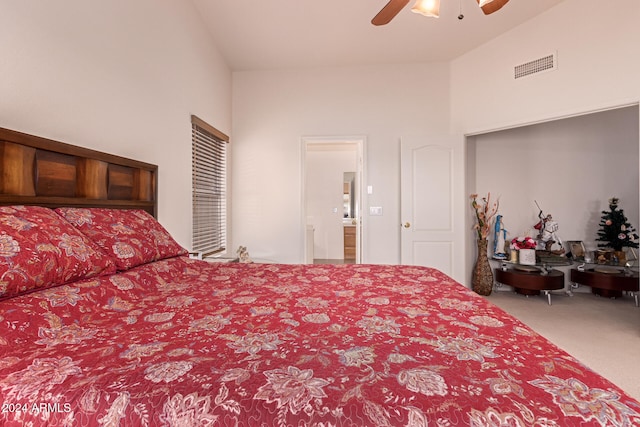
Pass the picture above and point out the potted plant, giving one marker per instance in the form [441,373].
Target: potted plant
[526,248]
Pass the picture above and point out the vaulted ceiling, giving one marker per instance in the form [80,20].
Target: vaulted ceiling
[275,34]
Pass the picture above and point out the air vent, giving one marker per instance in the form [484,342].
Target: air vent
[546,63]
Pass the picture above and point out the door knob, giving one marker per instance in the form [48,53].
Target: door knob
[406,225]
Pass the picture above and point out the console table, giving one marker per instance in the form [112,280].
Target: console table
[531,282]
[609,284]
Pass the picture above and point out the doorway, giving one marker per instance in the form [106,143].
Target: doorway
[332,170]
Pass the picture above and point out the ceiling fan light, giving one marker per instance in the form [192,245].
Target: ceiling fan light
[429,8]
[483,2]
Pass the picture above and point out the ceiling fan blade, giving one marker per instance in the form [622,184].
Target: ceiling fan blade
[494,6]
[389,11]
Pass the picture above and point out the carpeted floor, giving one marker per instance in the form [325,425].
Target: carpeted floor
[602,333]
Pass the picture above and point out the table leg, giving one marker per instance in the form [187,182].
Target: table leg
[636,295]
[548,294]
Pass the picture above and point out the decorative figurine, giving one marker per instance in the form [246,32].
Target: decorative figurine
[243,255]
[499,238]
[547,228]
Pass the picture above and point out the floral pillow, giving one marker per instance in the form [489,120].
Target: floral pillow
[131,237]
[38,249]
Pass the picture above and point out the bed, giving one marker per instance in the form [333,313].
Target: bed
[106,321]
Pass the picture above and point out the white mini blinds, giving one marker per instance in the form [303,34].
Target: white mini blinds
[209,187]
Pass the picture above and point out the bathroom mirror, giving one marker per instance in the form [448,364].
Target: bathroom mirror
[347,190]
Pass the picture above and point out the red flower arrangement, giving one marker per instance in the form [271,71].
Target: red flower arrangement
[523,243]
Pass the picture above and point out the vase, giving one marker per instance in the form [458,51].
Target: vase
[482,279]
[527,256]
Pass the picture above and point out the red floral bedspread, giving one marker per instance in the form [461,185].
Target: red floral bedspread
[181,342]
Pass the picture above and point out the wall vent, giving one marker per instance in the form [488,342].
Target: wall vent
[546,63]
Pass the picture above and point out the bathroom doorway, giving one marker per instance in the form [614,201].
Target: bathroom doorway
[332,199]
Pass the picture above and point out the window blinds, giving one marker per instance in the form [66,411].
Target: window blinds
[209,186]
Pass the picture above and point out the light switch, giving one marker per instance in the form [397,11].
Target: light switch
[369,189]
[375,210]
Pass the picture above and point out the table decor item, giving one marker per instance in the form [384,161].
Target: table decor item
[577,250]
[499,237]
[616,232]
[527,256]
[526,248]
[607,270]
[527,268]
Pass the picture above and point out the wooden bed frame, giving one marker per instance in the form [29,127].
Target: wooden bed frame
[40,171]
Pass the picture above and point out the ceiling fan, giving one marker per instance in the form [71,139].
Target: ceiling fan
[429,8]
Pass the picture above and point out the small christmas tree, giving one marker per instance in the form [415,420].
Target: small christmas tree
[615,231]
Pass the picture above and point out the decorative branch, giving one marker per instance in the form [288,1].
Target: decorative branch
[485,212]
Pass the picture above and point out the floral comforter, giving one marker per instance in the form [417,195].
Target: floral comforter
[181,342]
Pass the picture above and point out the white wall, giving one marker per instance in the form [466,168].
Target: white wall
[274,110]
[117,76]
[324,171]
[598,68]
[572,167]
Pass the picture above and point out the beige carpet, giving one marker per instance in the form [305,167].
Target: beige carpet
[602,333]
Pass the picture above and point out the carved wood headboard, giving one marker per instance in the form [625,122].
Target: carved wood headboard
[40,171]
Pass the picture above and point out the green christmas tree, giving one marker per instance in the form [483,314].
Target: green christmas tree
[615,231]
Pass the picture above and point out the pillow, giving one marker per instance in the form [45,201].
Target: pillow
[38,249]
[131,237]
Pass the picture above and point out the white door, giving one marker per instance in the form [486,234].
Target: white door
[429,221]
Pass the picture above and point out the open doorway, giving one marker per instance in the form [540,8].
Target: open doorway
[332,199]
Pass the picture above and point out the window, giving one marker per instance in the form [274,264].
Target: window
[209,186]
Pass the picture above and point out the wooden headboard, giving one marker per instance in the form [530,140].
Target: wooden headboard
[40,171]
